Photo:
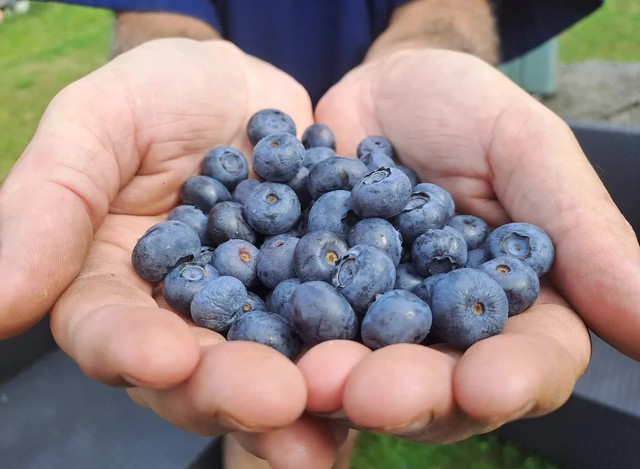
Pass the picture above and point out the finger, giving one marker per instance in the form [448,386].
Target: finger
[236,386]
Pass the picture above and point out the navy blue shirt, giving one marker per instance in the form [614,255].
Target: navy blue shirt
[318,41]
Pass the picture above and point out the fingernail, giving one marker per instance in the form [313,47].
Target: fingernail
[523,411]
[232,424]
[134,381]
[412,427]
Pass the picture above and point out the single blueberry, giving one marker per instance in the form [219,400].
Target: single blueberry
[332,212]
[468,306]
[278,157]
[411,174]
[377,159]
[439,193]
[267,122]
[226,221]
[299,185]
[421,213]
[275,262]
[163,247]
[380,234]
[523,241]
[438,251]
[425,289]
[519,281]
[361,274]
[320,313]
[313,156]
[203,192]
[396,317]
[238,258]
[334,174]
[267,329]
[243,189]
[281,297]
[476,257]
[375,143]
[407,278]
[319,135]
[383,193]
[218,304]
[317,255]
[272,208]
[474,229]
[191,216]
[226,164]
[183,282]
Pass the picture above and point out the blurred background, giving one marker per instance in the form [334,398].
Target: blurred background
[590,73]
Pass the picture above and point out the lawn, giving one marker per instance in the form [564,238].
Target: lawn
[55,44]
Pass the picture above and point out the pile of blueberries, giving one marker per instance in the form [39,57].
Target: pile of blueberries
[328,247]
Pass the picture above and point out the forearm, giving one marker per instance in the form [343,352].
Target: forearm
[462,25]
[135,28]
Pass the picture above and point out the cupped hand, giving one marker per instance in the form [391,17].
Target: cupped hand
[463,125]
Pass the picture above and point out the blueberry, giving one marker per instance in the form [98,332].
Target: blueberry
[267,122]
[425,289]
[317,255]
[272,208]
[299,185]
[380,234]
[439,193]
[218,304]
[237,258]
[518,280]
[226,221]
[278,157]
[468,306]
[226,164]
[524,241]
[361,274]
[411,174]
[396,317]
[320,313]
[163,247]
[421,213]
[281,297]
[267,329]
[383,193]
[474,229]
[183,282]
[334,174]
[375,143]
[332,212]
[438,251]
[243,189]
[377,159]
[193,217]
[313,156]
[275,262]
[319,135]
[407,278]
[254,303]
[206,256]
[203,192]
[476,257]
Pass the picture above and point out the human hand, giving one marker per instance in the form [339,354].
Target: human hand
[461,124]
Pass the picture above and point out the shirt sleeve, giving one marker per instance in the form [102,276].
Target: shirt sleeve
[204,10]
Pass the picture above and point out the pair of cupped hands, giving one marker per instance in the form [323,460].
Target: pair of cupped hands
[113,149]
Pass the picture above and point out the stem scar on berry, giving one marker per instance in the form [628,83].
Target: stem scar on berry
[275,144]
[503,269]
[331,257]
[272,198]
[478,309]
[245,256]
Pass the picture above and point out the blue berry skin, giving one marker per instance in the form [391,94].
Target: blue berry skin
[421,213]
[332,212]
[380,234]
[334,174]
[267,329]
[226,164]
[238,258]
[203,192]
[206,256]
[439,193]
[411,174]
[254,303]
[226,221]
[383,193]
[375,143]
[476,257]
[281,297]
[163,247]
[396,317]
[313,156]
[278,157]
[425,289]
[243,189]
[193,217]
[267,122]
[519,281]
[524,241]
[319,313]
[183,282]
[272,208]
[362,273]
[474,230]
[407,278]
[468,306]
[319,135]
[317,255]
[270,240]
[219,303]
[377,159]
[299,185]
[438,251]
[275,262]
